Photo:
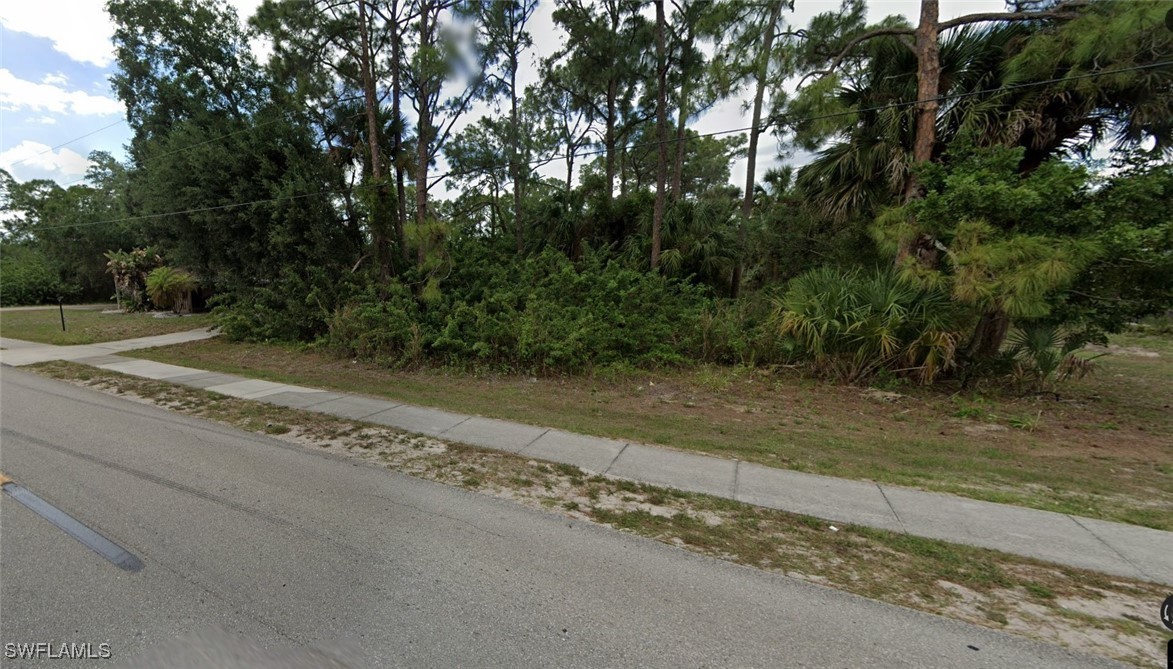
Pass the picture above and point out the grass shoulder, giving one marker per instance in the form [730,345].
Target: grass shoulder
[91,326]
[1101,449]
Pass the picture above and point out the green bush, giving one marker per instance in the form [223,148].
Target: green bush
[169,288]
[541,314]
[1042,356]
[850,325]
[26,277]
[296,306]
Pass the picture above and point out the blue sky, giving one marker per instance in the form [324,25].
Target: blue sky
[56,60]
[54,65]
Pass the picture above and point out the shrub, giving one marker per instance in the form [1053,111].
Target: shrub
[538,314]
[26,277]
[1043,356]
[171,288]
[130,270]
[296,306]
[852,324]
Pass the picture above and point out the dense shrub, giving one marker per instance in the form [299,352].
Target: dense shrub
[544,314]
[171,288]
[293,307]
[852,325]
[26,277]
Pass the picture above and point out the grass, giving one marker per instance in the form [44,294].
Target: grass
[90,326]
[1039,451]
[1085,610]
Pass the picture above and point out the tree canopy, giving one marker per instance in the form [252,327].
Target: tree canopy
[412,163]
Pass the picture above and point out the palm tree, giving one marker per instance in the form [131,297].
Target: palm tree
[990,93]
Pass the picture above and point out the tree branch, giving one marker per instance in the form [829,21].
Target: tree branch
[1004,16]
[854,42]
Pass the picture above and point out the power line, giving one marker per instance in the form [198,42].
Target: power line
[575,154]
[63,144]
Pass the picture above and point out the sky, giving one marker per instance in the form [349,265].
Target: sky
[57,105]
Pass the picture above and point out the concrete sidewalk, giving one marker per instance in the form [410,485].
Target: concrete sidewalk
[1112,548]
[19,352]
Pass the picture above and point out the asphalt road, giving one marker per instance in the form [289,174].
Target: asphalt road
[258,553]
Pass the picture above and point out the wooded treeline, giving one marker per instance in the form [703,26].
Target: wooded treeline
[945,208]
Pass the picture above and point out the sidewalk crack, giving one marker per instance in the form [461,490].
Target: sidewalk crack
[616,458]
[1130,563]
[466,419]
[892,508]
[531,441]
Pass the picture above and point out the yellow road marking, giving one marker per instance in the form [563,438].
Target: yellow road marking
[4,478]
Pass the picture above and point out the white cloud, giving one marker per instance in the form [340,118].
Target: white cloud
[36,156]
[45,120]
[80,29]
[55,79]
[16,93]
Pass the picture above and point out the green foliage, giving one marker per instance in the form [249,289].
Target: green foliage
[851,324]
[544,314]
[170,288]
[295,306]
[1045,355]
[1002,245]
[130,270]
[69,227]
[26,276]
[1131,279]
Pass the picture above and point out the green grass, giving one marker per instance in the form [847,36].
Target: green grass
[1060,458]
[91,326]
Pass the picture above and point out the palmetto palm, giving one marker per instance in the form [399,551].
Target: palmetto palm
[1053,88]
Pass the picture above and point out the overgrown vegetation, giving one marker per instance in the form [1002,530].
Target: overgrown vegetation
[171,288]
[547,314]
[26,277]
[948,204]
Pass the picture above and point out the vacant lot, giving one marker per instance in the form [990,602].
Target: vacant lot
[90,326]
[1102,448]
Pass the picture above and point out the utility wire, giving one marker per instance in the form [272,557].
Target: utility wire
[575,154]
[63,144]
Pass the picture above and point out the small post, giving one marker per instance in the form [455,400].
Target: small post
[61,308]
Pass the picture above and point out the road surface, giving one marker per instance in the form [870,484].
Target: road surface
[259,553]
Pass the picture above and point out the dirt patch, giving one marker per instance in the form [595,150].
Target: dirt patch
[1130,351]
[988,430]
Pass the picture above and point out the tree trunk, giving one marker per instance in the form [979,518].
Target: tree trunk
[424,131]
[379,213]
[514,163]
[681,122]
[928,83]
[609,140]
[988,335]
[397,138]
[661,134]
[756,131]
